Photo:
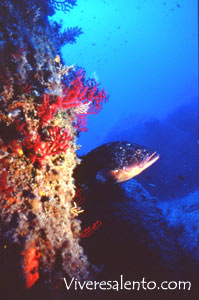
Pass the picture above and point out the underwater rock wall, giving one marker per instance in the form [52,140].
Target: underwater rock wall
[43,106]
[139,238]
[182,217]
[134,238]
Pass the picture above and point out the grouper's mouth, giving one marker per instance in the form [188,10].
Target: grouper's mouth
[149,160]
[121,175]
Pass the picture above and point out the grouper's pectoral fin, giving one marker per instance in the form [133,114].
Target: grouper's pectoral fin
[104,175]
[116,175]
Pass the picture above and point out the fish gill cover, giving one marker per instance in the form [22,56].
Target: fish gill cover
[43,106]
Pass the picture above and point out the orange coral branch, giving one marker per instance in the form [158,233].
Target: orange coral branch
[31,266]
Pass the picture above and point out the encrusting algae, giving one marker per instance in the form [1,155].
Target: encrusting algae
[43,106]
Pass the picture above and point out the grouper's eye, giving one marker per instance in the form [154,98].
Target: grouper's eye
[138,151]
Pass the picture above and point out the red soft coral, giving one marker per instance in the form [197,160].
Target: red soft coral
[88,231]
[81,94]
[46,111]
[56,143]
[91,98]
[3,184]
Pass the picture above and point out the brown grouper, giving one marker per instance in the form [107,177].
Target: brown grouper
[114,162]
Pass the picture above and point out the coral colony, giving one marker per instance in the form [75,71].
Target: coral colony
[43,106]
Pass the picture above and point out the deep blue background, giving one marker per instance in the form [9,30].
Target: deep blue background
[145,54]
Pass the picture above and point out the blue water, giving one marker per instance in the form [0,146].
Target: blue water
[144,53]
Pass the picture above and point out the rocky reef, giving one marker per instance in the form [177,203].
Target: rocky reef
[43,106]
[133,231]
[139,237]
[182,218]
